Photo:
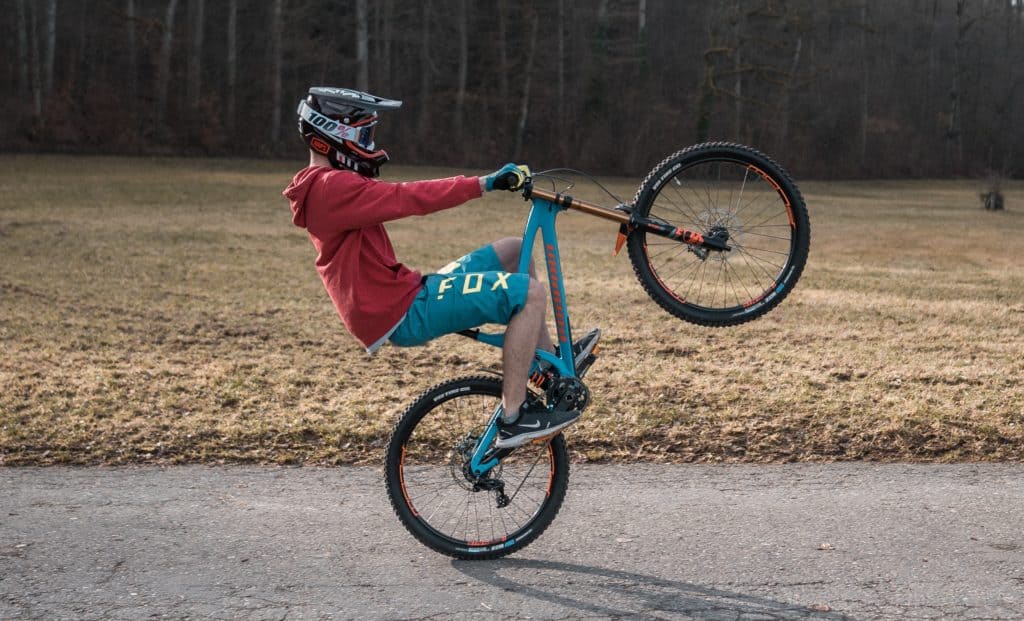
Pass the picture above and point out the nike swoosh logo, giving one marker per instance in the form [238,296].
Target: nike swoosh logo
[535,426]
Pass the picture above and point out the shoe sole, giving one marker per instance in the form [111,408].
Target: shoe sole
[525,438]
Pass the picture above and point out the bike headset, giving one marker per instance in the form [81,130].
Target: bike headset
[340,124]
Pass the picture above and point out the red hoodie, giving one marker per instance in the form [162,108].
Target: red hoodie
[343,213]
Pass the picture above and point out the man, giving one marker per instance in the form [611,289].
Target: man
[343,207]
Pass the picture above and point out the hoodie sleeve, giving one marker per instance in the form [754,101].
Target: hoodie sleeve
[347,200]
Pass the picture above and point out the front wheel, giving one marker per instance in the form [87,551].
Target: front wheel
[439,501]
[739,196]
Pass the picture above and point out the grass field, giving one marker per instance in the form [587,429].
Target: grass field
[167,311]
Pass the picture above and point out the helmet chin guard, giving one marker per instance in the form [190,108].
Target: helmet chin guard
[340,124]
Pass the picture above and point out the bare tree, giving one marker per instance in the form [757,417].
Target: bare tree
[193,83]
[387,9]
[954,137]
[362,46]
[524,104]
[560,36]
[33,44]
[51,46]
[787,91]
[460,92]
[232,63]
[738,69]
[275,70]
[865,82]
[163,65]
[23,59]
[503,69]
[425,64]
[133,62]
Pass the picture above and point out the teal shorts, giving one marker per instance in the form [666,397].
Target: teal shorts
[466,293]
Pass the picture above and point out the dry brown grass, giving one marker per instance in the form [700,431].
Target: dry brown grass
[167,310]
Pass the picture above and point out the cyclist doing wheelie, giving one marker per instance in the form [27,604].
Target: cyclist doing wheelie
[343,207]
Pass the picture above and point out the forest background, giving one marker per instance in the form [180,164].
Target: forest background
[833,88]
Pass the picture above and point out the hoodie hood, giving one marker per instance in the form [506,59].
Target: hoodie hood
[298,190]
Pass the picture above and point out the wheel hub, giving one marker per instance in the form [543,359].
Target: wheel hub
[721,225]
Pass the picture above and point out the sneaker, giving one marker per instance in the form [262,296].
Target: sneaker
[534,423]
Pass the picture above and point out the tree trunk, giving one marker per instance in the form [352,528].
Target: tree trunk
[641,18]
[561,73]
[51,46]
[864,85]
[954,140]
[163,66]
[524,106]
[423,119]
[386,56]
[81,60]
[33,46]
[737,67]
[23,59]
[275,71]
[933,51]
[362,46]
[194,82]
[460,93]
[503,69]
[787,91]
[1010,110]
[232,63]
[133,59]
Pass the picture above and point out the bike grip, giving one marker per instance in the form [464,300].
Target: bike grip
[513,180]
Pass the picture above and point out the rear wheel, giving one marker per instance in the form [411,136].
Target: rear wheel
[444,506]
[743,198]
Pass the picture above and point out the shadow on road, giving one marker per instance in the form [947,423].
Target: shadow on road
[610,592]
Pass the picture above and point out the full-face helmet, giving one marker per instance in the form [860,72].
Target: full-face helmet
[340,124]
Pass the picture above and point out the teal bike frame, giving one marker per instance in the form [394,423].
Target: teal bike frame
[546,207]
[541,219]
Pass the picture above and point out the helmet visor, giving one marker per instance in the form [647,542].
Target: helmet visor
[361,132]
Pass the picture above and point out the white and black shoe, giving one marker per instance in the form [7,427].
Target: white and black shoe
[534,423]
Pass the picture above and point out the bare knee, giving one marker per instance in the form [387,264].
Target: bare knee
[507,249]
[536,293]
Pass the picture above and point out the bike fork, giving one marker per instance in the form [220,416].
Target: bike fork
[484,456]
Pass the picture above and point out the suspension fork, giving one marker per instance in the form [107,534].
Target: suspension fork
[628,221]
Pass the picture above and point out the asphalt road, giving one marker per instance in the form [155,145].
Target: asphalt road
[849,541]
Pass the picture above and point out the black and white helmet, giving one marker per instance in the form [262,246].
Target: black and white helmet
[340,124]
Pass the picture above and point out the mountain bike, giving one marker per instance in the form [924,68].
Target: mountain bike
[718,235]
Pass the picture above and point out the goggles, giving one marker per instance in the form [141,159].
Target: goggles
[361,132]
